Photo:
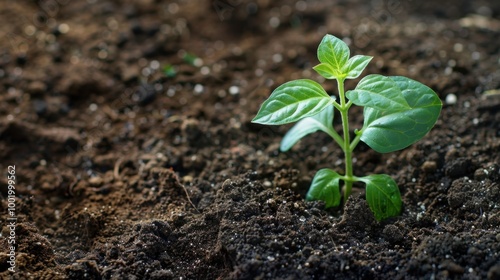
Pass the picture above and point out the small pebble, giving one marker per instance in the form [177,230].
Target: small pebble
[234,90]
[187,179]
[451,99]
[429,166]
[95,181]
[198,89]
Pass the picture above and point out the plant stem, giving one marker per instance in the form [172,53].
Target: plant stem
[336,137]
[347,142]
[355,141]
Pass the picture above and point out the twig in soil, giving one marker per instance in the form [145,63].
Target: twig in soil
[72,186]
[116,170]
[187,195]
[184,188]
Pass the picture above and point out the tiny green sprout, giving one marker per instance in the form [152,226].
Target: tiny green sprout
[192,59]
[169,71]
[398,112]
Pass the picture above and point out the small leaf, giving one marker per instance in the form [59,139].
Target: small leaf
[378,92]
[334,52]
[382,195]
[322,121]
[355,65]
[325,70]
[192,59]
[325,186]
[169,71]
[386,131]
[293,101]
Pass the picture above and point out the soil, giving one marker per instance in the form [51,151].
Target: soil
[126,168]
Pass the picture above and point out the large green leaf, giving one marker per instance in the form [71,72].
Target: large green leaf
[325,186]
[382,195]
[387,131]
[322,121]
[355,65]
[334,52]
[378,92]
[293,101]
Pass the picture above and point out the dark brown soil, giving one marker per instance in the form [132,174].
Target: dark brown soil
[124,172]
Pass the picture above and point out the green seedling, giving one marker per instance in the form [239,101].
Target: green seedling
[192,59]
[398,112]
[169,71]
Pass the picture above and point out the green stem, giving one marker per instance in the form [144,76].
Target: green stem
[336,137]
[355,141]
[344,107]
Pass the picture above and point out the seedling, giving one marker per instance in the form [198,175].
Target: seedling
[398,112]
[169,71]
[192,59]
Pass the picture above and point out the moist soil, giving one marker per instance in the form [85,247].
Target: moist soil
[129,126]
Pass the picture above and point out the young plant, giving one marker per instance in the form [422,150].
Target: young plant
[398,112]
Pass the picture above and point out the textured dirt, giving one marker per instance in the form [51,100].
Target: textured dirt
[124,171]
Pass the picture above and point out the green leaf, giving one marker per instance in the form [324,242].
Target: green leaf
[293,101]
[334,52]
[169,71]
[326,71]
[325,186]
[387,131]
[322,121]
[355,65]
[378,92]
[382,195]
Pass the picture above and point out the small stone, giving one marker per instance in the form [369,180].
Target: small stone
[49,232]
[451,154]
[234,90]
[95,181]
[46,186]
[187,179]
[429,166]
[451,99]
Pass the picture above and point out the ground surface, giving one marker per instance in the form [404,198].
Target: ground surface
[124,172]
